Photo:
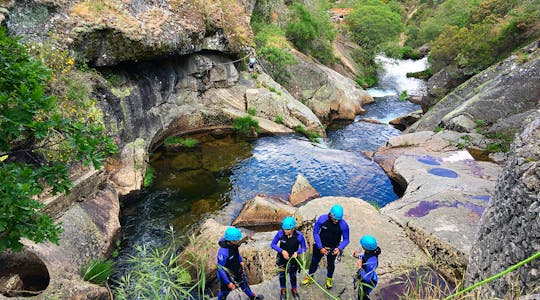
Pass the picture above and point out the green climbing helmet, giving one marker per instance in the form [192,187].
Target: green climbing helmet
[337,212]
[232,234]
[288,223]
[368,242]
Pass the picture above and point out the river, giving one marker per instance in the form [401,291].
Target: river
[217,176]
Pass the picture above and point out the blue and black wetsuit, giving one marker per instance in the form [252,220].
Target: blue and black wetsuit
[230,270]
[366,274]
[329,235]
[294,243]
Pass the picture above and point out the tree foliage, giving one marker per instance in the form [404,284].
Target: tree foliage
[449,13]
[31,123]
[373,23]
[489,38]
[312,33]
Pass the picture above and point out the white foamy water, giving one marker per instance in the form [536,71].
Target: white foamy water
[393,77]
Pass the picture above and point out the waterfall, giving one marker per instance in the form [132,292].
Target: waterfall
[393,77]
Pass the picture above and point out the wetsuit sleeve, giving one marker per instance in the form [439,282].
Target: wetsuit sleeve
[302,242]
[275,241]
[317,229]
[345,234]
[222,255]
[369,273]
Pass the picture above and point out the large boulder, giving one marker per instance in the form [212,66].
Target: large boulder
[510,230]
[493,96]
[90,228]
[423,143]
[327,93]
[446,195]
[105,33]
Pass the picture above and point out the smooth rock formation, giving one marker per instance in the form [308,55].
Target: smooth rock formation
[445,197]
[109,32]
[327,93]
[90,229]
[492,96]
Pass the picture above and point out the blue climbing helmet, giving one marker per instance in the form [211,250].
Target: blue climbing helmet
[232,234]
[368,242]
[337,212]
[288,223]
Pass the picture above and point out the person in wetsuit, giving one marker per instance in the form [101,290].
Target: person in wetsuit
[331,235]
[288,243]
[367,263]
[231,273]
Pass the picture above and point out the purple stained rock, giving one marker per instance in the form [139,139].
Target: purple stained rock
[482,197]
[428,160]
[476,170]
[422,209]
[442,172]
[477,209]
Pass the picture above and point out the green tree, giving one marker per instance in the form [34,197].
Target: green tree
[312,33]
[31,124]
[372,23]
[449,13]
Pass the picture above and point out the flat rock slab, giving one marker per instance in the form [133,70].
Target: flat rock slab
[442,205]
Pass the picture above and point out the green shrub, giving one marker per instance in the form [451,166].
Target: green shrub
[97,271]
[177,141]
[189,142]
[437,129]
[310,134]
[148,176]
[312,33]
[278,119]
[421,74]
[449,13]
[276,60]
[365,58]
[172,140]
[160,273]
[403,96]
[34,123]
[252,111]
[246,125]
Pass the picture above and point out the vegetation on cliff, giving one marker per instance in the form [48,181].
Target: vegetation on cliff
[472,35]
[41,136]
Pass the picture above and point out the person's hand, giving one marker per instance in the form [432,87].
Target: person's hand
[231,286]
[285,254]
[324,251]
[295,255]
[336,251]
[355,254]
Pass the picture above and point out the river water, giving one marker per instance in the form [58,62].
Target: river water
[216,177]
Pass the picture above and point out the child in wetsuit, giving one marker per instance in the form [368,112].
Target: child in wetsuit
[367,263]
